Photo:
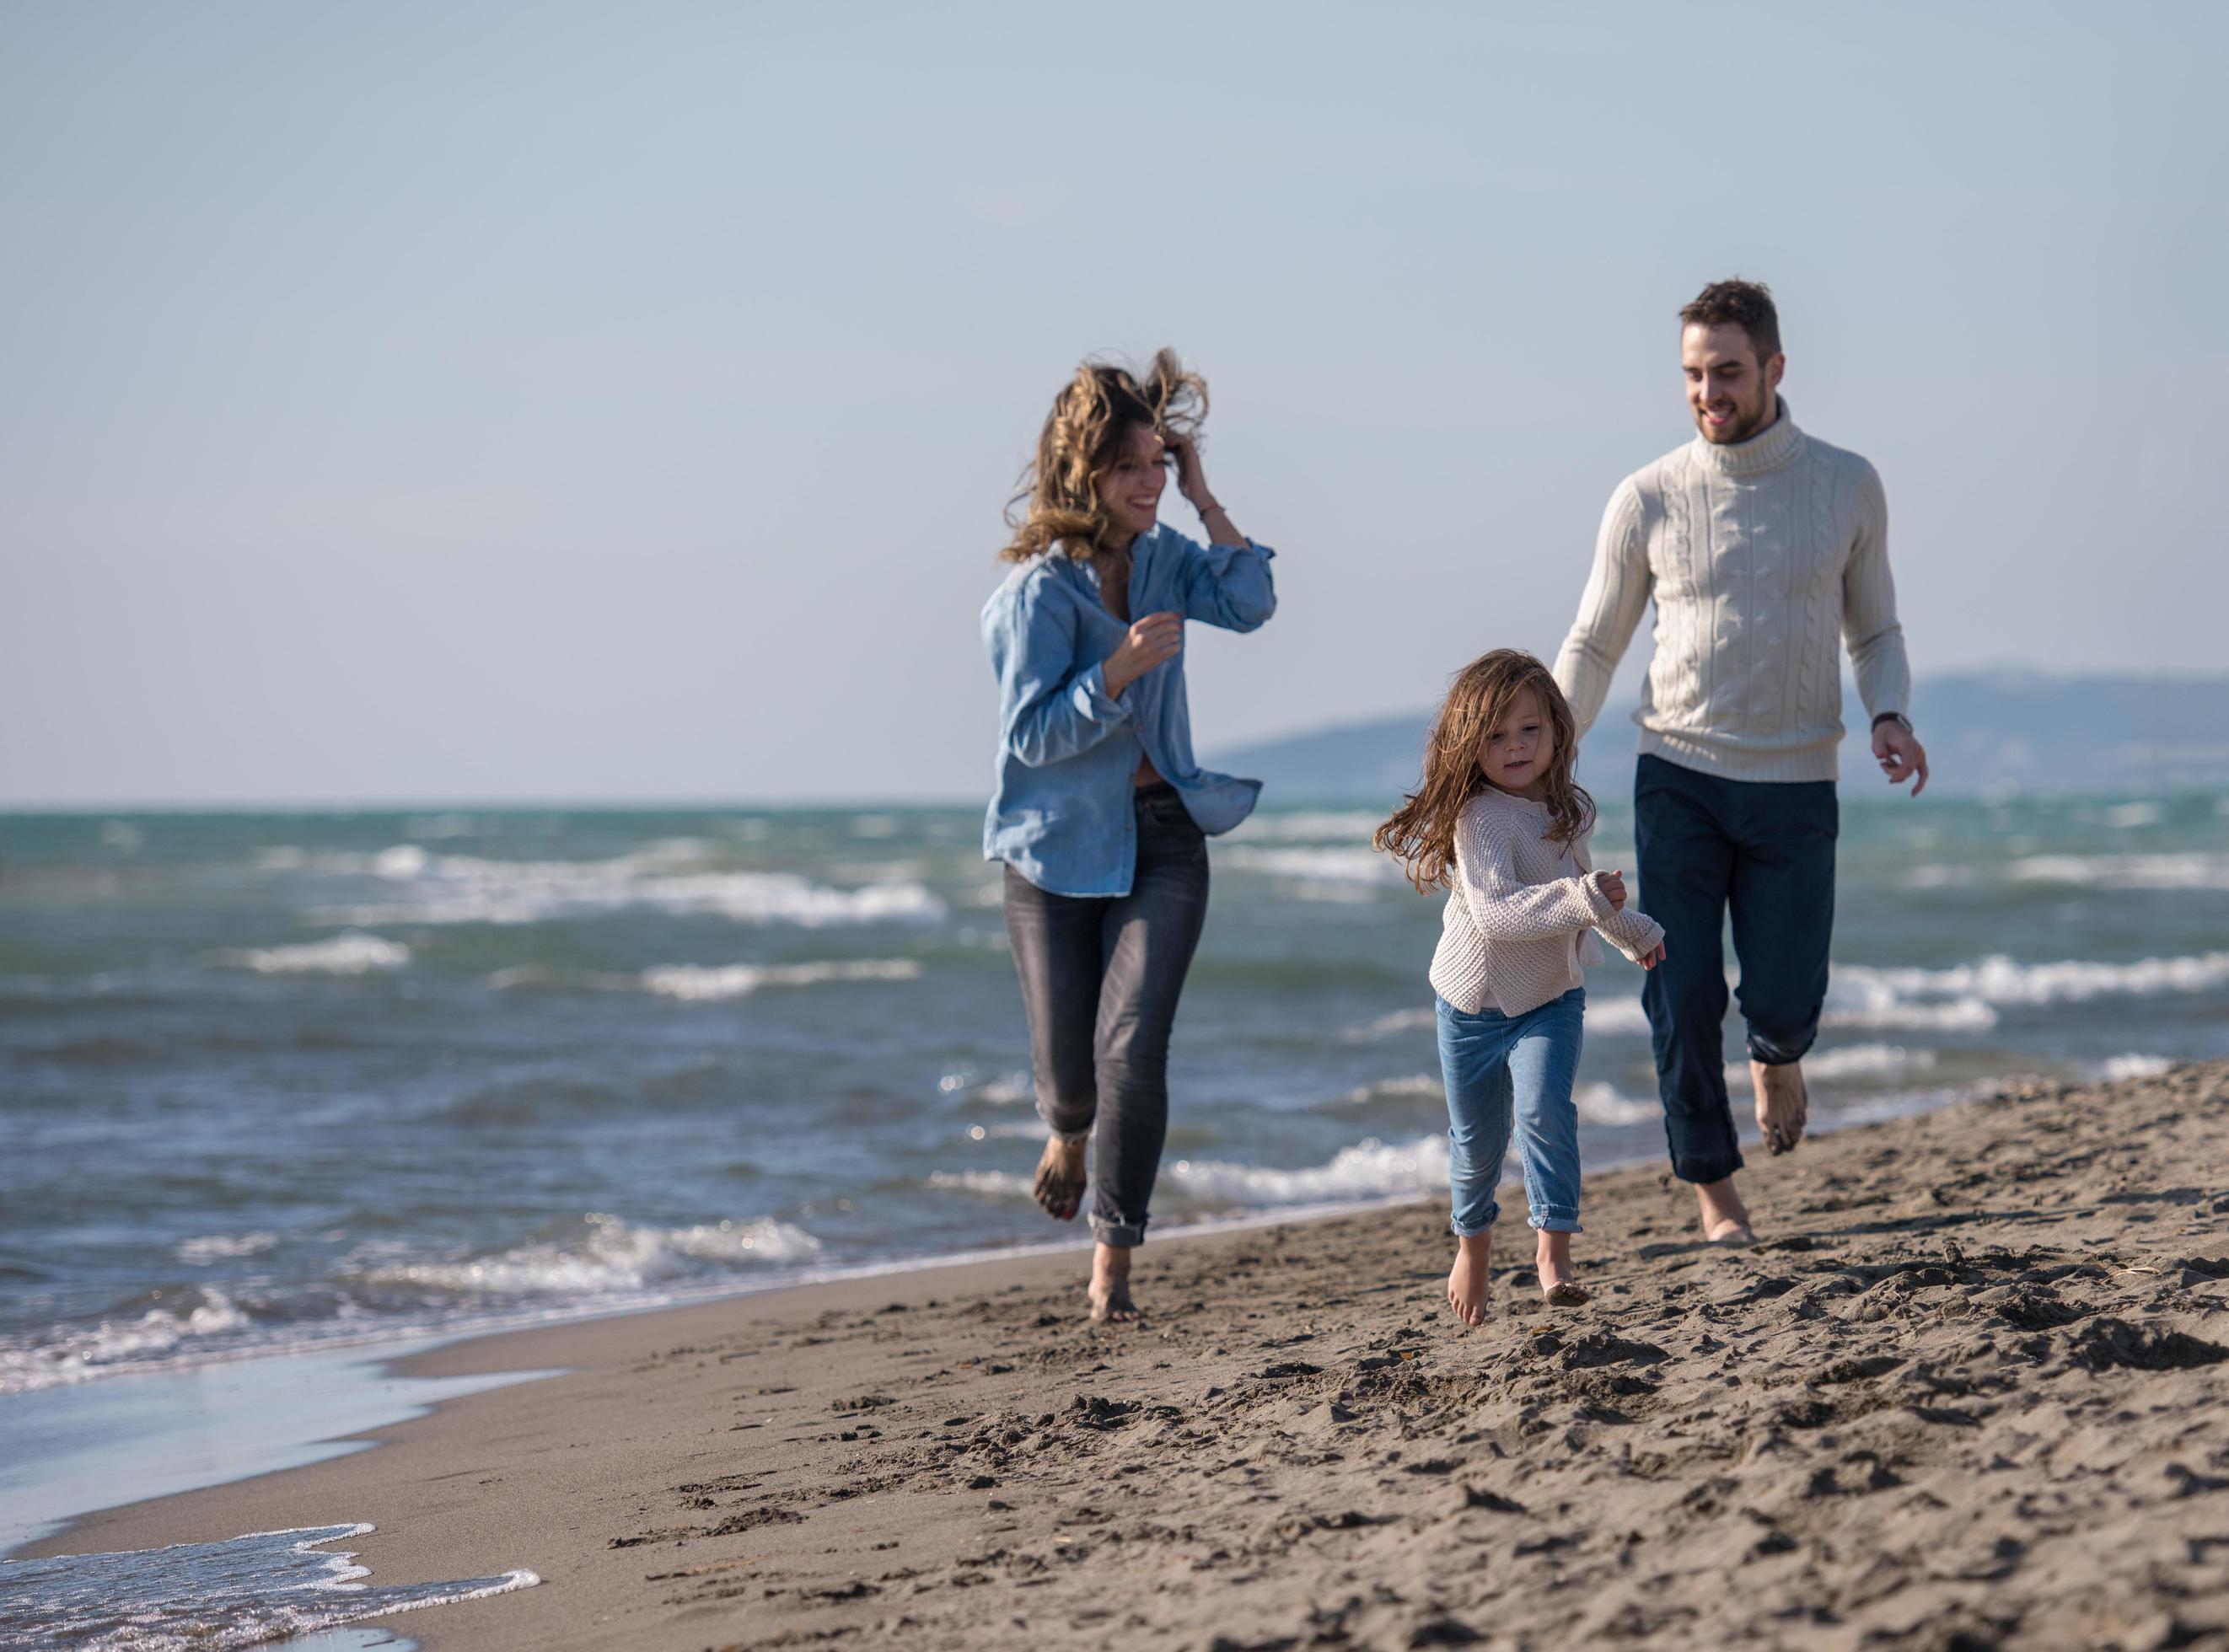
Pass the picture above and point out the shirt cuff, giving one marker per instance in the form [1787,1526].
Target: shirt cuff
[1219,556]
[1092,700]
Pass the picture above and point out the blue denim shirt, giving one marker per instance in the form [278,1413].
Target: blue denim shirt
[1067,749]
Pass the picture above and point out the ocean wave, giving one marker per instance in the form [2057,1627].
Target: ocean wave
[612,1256]
[352,953]
[246,1591]
[1851,1062]
[2190,870]
[1326,866]
[220,1247]
[2117,1068]
[75,1354]
[1311,826]
[1599,1103]
[701,983]
[1368,1169]
[674,875]
[1002,1090]
[1400,1021]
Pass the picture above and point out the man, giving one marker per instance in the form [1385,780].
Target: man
[1759,545]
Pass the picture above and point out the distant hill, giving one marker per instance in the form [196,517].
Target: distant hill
[1985,732]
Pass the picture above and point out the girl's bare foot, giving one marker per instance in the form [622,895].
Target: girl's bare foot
[1726,1219]
[1467,1283]
[1784,1105]
[1110,1286]
[1551,1257]
[1060,1179]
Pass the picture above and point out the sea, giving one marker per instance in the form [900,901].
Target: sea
[292,1083]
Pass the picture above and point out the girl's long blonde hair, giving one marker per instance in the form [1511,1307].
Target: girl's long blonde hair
[1421,832]
[1091,418]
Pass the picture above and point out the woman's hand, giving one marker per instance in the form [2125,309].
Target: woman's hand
[1192,481]
[1612,885]
[1192,476]
[1152,641]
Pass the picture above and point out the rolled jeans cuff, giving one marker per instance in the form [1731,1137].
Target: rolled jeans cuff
[1464,1230]
[1783,1052]
[1556,1220]
[1070,1138]
[1123,1236]
[1702,1171]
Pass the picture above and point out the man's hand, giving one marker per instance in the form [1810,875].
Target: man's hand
[1612,885]
[1900,754]
[1152,641]
[1650,960]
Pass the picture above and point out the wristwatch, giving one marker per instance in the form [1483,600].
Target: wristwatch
[1896,717]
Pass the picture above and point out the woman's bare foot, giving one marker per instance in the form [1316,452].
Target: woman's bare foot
[1060,1179]
[1784,1105]
[1467,1289]
[1726,1219]
[1551,1258]
[1110,1286]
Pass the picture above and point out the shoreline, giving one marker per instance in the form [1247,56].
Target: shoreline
[1971,1335]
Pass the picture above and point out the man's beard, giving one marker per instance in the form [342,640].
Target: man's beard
[1751,421]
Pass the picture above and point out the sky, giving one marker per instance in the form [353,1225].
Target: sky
[615,404]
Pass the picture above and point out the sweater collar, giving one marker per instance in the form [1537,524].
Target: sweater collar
[1771,448]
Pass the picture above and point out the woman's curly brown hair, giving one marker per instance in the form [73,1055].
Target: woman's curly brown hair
[1091,419]
[1421,832]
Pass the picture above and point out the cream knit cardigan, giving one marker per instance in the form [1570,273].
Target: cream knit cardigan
[1519,921]
[1761,556]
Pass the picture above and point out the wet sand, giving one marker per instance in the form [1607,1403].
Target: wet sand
[1968,1392]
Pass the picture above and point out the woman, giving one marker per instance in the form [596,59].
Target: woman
[1100,814]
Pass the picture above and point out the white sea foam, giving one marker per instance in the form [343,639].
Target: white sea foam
[1369,1169]
[1400,1021]
[76,1355]
[1362,866]
[1599,1103]
[2118,1067]
[1415,1084]
[1851,1062]
[699,983]
[1310,826]
[352,953]
[2122,816]
[218,1247]
[612,1255]
[1619,1012]
[669,876]
[2191,870]
[1006,1090]
[245,1592]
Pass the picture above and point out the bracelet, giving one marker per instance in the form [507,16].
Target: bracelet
[1896,717]
[1209,508]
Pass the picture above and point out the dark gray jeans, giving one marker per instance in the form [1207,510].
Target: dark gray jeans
[1100,981]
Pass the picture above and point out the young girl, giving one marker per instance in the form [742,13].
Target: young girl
[1498,816]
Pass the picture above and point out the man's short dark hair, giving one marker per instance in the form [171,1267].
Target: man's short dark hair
[1746,304]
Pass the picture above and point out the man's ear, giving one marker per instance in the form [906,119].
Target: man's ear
[1775,367]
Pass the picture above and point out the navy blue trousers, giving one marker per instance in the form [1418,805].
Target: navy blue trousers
[1765,849]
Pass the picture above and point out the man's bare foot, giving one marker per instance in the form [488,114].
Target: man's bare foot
[1110,1286]
[1784,1105]
[1726,1219]
[1060,1179]
[1551,1258]
[1467,1289]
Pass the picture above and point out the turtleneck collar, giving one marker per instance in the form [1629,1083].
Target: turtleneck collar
[1771,448]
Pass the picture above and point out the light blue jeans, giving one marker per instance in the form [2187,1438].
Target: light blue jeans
[1504,1070]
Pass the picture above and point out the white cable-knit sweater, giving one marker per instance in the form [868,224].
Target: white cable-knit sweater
[1762,556]
[1519,923]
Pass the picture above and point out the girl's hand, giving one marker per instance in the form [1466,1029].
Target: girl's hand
[1612,885]
[1650,960]
[1191,478]
[1152,641]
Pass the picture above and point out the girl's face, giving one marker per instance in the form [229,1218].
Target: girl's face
[1518,750]
[1130,488]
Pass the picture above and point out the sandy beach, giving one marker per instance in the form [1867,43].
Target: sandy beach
[1968,1392]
